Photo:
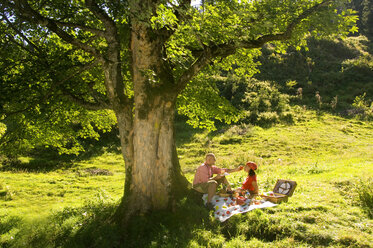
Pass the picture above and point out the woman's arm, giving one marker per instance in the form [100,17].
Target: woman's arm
[255,185]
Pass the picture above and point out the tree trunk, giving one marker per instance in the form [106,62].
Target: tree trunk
[153,176]
[154,180]
[152,170]
[125,126]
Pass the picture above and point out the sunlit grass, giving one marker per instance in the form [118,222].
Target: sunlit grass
[330,157]
[39,193]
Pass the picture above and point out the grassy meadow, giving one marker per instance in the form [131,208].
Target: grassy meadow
[53,203]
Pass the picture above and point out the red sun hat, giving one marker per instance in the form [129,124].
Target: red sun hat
[252,165]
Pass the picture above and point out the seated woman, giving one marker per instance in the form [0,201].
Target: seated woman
[250,184]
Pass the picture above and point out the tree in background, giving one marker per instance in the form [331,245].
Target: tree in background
[365,11]
[367,17]
[141,59]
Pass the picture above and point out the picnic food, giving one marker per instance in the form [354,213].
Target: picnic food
[240,200]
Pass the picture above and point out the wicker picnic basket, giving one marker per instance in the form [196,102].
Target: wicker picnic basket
[275,198]
[282,191]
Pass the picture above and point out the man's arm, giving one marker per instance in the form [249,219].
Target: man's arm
[234,170]
[217,177]
[220,173]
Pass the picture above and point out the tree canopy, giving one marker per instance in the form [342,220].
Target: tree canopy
[73,68]
[50,54]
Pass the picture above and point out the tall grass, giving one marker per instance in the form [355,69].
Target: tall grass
[6,193]
[365,193]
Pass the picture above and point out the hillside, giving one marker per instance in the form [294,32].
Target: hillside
[334,68]
[329,157]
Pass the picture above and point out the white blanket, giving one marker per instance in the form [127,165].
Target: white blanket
[226,207]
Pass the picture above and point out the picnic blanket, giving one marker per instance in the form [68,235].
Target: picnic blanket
[226,207]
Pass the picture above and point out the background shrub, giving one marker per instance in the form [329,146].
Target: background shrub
[363,108]
[260,101]
[365,193]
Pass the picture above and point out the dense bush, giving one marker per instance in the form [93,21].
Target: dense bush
[363,108]
[260,101]
[365,193]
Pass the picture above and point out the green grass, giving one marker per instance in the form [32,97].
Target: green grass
[330,157]
[37,193]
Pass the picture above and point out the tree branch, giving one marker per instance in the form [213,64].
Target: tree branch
[179,9]
[287,33]
[22,35]
[197,65]
[53,88]
[113,54]
[97,97]
[102,16]
[12,39]
[25,10]
[81,102]
[96,31]
[223,50]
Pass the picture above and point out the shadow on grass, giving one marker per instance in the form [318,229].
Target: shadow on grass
[91,226]
[37,165]
[190,225]
[42,160]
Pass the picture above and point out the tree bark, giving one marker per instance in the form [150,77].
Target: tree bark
[153,174]
[152,171]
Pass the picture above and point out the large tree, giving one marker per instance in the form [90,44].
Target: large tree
[138,58]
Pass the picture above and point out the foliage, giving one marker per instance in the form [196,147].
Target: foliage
[260,101]
[33,133]
[44,76]
[38,110]
[339,70]
[364,108]
[202,104]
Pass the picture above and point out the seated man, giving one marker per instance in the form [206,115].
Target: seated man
[204,182]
